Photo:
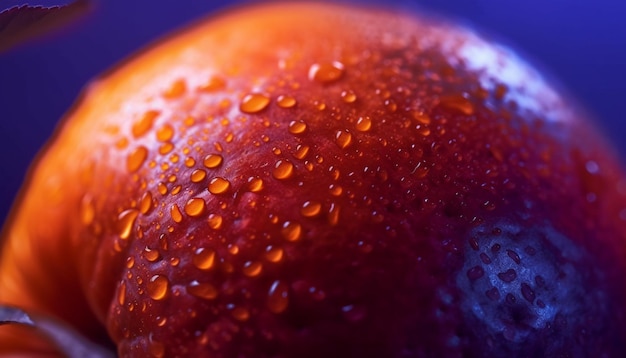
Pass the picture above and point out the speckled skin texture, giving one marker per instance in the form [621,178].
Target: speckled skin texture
[313,180]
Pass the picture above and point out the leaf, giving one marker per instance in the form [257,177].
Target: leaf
[22,23]
[68,341]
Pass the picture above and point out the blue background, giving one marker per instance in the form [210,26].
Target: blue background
[580,42]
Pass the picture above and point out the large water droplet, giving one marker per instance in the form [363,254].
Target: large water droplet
[254,103]
[278,297]
[202,290]
[176,89]
[297,127]
[197,176]
[165,133]
[283,170]
[151,255]
[135,160]
[145,203]
[195,207]
[291,231]
[363,124]
[343,139]
[175,213]
[126,220]
[215,221]
[145,123]
[203,258]
[213,161]
[158,287]
[252,268]
[255,184]
[121,294]
[218,185]
[286,101]
[348,96]
[458,103]
[311,208]
[273,253]
[326,72]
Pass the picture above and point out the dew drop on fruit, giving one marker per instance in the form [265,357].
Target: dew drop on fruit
[421,117]
[175,213]
[165,133]
[333,214]
[205,291]
[176,89]
[458,103]
[291,231]
[252,268]
[195,207]
[126,220]
[326,72]
[213,161]
[278,297]
[203,258]
[241,314]
[213,84]
[151,255]
[297,127]
[218,185]
[166,147]
[335,190]
[145,123]
[348,96]
[215,221]
[508,276]
[190,162]
[475,273]
[135,160]
[121,294]
[285,101]
[283,170]
[145,203]
[162,188]
[156,349]
[343,139]
[363,124]
[528,293]
[158,287]
[273,253]
[254,103]
[301,151]
[310,209]
[197,176]
[87,210]
[255,184]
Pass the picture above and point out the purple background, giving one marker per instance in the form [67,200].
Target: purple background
[581,42]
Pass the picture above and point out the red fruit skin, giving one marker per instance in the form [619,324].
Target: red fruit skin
[478,214]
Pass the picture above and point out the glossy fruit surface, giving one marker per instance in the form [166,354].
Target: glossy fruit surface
[318,180]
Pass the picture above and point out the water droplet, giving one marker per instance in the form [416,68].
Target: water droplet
[348,96]
[252,268]
[493,294]
[145,123]
[326,72]
[233,249]
[301,151]
[254,103]
[421,117]
[126,220]
[333,215]
[255,184]
[213,161]
[528,293]
[213,84]
[205,291]
[121,295]
[162,188]
[203,258]
[177,216]
[508,276]
[87,210]
[458,103]
[286,101]
[165,133]
[195,207]
[135,160]
[166,148]
[283,170]
[514,256]
[156,349]
[343,139]
[273,253]
[158,287]
[278,297]
[475,273]
[310,209]
[241,314]
[122,143]
[176,89]
[363,124]
[291,231]
[297,127]
[218,185]
[151,255]
[130,262]
[145,203]
[190,162]
[335,190]
[197,176]
[215,221]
